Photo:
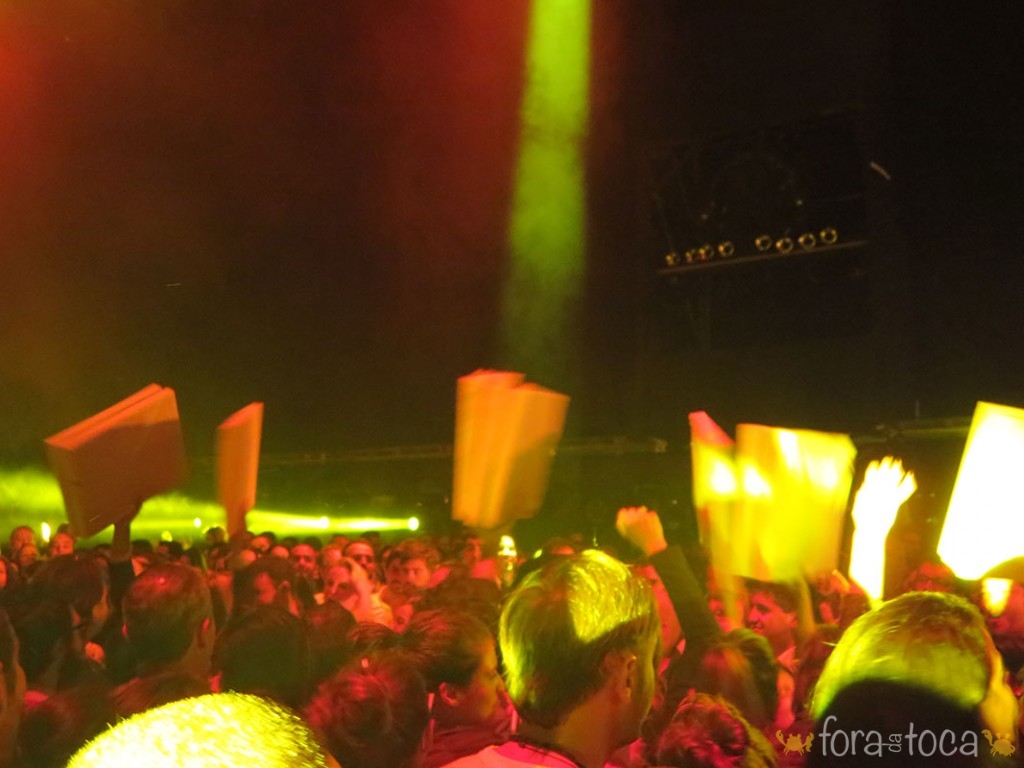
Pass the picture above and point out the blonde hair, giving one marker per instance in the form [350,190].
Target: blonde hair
[930,640]
[560,623]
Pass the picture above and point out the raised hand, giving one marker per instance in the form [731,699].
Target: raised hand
[642,528]
[885,488]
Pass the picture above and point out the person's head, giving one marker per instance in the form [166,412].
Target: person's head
[890,711]
[304,557]
[168,619]
[10,579]
[930,576]
[709,732]
[933,641]
[328,556]
[265,652]
[330,645]
[215,535]
[372,713]
[741,668]
[26,556]
[61,544]
[216,729]
[456,654]
[83,583]
[53,730]
[559,545]
[671,629]
[727,600]
[279,551]
[44,624]
[472,551]
[582,627]
[21,536]
[480,597]
[362,552]
[419,561]
[268,581]
[369,637]
[394,572]
[143,693]
[171,552]
[338,584]
[772,614]
[260,544]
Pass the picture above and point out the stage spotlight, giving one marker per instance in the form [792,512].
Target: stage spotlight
[784,245]
[672,259]
[691,256]
[706,252]
[829,236]
[763,243]
[807,240]
[726,249]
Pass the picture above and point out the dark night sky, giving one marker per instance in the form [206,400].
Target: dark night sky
[306,204]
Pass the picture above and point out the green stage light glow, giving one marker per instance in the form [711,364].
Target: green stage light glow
[29,491]
[547,229]
[33,497]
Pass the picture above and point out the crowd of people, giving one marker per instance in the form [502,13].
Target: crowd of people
[431,651]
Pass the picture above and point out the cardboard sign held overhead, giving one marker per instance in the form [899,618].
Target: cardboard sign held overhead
[110,463]
[238,464]
[506,433]
[714,471]
[793,490]
[984,527]
[477,398]
[714,488]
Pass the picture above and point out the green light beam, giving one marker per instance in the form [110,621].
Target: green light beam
[547,234]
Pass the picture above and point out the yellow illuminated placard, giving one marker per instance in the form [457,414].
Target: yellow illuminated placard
[985,522]
[794,486]
[506,433]
[714,488]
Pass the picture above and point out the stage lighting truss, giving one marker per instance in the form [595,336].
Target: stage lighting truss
[763,247]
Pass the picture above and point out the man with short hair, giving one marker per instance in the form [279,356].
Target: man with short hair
[362,552]
[329,556]
[773,615]
[419,561]
[269,581]
[304,557]
[168,620]
[61,543]
[580,640]
[928,641]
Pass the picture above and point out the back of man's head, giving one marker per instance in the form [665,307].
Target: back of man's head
[561,622]
[910,727]
[936,642]
[165,609]
[81,581]
[265,652]
[43,623]
[217,729]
